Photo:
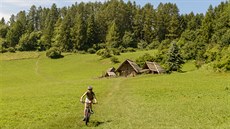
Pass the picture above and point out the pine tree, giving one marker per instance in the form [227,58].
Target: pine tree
[56,39]
[173,29]
[2,22]
[21,17]
[207,25]
[49,27]
[149,23]
[174,59]
[3,30]
[128,40]
[65,34]
[14,34]
[91,32]
[138,25]
[32,19]
[112,37]
[78,33]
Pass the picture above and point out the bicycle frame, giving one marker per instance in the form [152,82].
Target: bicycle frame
[87,114]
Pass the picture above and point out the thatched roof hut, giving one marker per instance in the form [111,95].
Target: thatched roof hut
[111,69]
[128,68]
[153,67]
[110,72]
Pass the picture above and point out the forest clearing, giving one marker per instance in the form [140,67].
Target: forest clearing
[45,93]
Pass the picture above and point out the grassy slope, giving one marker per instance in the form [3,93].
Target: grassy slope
[44,93]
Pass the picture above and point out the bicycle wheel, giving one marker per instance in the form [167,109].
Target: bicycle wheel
[87,116]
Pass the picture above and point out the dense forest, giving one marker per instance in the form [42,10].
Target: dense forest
[119,26]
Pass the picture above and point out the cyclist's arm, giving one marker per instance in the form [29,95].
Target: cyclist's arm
[83,96]
[95,99]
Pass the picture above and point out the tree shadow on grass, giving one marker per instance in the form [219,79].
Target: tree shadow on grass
[57,57]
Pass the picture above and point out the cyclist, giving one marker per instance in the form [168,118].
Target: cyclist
[90,97]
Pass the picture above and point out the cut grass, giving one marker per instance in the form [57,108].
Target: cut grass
[45,93]
[19,56]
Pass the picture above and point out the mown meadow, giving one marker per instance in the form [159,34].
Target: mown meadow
[38,92]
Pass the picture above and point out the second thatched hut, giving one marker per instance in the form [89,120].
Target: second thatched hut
[153,67]
[128,68]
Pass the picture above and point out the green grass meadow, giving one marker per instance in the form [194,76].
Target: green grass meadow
[41,93]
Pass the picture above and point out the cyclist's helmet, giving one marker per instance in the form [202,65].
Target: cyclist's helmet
[90,87]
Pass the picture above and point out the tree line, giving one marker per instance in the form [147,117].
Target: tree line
[120,26]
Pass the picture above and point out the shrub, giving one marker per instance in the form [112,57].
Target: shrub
[165,44]
[91,50]
[54,53]
[11,49]
[161,56]
[104,53]
[142,44]
[114,60]
[153,45]
[146,57]
[223,63]
[3,45]
[115,51]
[129,49]
[199,63]
[122,49]
[3,50]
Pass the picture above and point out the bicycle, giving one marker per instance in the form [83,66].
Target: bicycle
[88,113]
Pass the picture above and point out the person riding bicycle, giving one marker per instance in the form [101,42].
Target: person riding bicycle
[90,97]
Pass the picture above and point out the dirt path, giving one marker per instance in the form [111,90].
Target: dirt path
[36,65]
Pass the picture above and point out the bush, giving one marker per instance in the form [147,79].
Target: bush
[223,63]
[91,50]
[129,49]
[3,50]
[161,56]
[114,60]
[199,63]
[104,53]
[146,57]
[142,44]
[11,49]
[153,45]
[115,51]
[54,53]
[165,44]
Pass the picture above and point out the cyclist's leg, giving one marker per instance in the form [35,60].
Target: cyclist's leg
[91,108]
[85,110]
[90,105]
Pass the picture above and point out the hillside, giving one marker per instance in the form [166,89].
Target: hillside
[38,92]
[120,26]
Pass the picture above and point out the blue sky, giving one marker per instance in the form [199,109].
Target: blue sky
[9,7]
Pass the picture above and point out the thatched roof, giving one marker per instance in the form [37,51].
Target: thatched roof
[110,74]
[132,64]
[154,67]
[111,69]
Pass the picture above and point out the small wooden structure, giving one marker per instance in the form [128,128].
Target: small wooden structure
[128,68]
[153,67]
[110,72]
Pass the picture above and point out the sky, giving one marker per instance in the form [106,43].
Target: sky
[9,7]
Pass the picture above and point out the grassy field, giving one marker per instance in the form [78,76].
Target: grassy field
[40,93]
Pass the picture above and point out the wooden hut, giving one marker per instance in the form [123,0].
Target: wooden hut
[128,68]
[111,69]
[153,67]
[110,72]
